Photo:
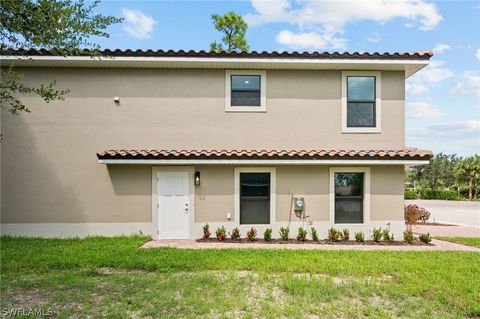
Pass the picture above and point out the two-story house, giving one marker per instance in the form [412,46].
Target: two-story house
[163,142]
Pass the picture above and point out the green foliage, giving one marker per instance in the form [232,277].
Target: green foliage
[410,194]
[221,233]
[408,236]
[252,234]
[233,28]
[314,234]
[360,237]
[470,241]
[333,234]
[447,194]
[387,236]
[65,27]
[426,238]
[469,170]
[377,234]
[302,234]
[284,231]
[206,232]
[235,234]
[267,234]
[345,234]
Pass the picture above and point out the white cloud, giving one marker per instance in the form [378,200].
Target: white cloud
[418,110]
[469,84]
[309,40]
[328,18]
[434,73]
[416,88]
[477,54]
[138,24]
[373,37]
[440,48]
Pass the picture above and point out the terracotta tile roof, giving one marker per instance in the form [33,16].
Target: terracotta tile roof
[422,55]
[406,154]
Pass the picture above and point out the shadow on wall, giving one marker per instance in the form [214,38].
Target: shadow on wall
[131,179]
[32,191]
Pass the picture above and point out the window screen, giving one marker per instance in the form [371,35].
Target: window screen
[348,198]
[254,198]
[361,101]
[245,90]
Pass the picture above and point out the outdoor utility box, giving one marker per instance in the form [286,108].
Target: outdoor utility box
[298,204]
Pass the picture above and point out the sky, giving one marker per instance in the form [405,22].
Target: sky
[442,100]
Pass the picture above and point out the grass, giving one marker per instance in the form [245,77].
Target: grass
[470,241]
[112,278]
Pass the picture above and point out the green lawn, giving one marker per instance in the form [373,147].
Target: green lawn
[111,277]
[470,241]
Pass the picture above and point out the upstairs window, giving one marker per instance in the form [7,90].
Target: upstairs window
[361,102]
[245,91]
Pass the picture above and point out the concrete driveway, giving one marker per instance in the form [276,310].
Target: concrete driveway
[451,212]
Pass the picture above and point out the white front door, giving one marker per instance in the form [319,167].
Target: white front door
[173,201]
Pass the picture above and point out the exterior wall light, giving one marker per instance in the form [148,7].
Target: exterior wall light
[196,179]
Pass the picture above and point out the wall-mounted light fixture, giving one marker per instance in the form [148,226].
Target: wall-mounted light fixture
[116,99]
[196,179]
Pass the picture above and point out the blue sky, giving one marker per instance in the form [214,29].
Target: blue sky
[442,101]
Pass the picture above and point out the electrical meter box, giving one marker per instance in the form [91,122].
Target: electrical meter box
[298,204]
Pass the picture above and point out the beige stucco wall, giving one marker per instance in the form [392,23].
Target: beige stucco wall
[214,198]
[49,170]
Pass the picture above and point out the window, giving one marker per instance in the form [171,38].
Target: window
[348,198]
[254,195]
[349,195]
[254,198]
[361,102]
[245,91]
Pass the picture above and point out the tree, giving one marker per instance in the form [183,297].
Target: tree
[234,28]
[469,168]
[64,27]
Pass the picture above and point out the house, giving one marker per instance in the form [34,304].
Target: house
[163,142]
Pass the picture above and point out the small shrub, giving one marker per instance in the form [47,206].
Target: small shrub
[414,213]
[410,194]
[302,234]
[345,234]
[206,231]
[267,234]
[314,234]
[447,194]
[360,237]
[377,234]
[408,236]
[252,234]
[423,216]
[235,234]
[386,235]
[426,238]
[284,231]
[221,233]
[333,234]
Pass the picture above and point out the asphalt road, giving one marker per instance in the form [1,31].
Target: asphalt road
[452,212]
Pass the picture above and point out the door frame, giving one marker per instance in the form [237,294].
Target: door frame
[191,191]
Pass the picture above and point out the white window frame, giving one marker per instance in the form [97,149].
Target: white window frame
[378,102]
[366,193]
[273,183]
[263,91]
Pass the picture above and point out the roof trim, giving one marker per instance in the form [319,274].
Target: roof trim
[421,55]
[258,162]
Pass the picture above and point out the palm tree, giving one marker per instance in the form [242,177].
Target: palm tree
[469,168]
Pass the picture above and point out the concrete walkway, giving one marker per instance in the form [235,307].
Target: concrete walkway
[191,244]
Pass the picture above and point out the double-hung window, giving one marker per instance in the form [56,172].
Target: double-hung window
[361,102]
[245,91]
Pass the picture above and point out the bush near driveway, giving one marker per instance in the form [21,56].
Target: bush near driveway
[112,277]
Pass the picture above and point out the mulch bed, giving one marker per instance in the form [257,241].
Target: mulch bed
[320,242]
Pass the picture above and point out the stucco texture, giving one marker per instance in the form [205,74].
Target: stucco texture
[50,173]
